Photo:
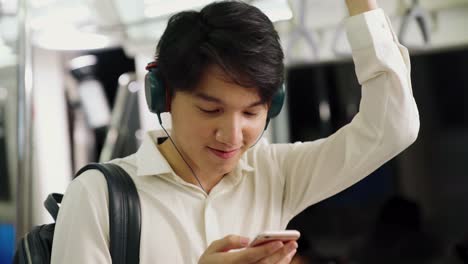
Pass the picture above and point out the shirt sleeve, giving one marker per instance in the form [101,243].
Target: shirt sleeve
[386,124]
[82,227]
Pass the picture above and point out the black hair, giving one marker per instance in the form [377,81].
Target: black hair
[237,37]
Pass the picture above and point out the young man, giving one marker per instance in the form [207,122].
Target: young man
[212,186]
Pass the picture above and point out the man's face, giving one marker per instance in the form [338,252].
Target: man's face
[217,122]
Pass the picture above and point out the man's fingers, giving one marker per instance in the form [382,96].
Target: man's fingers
[272,252]
[281,255]
[227,243]
[255,254]
[288,257]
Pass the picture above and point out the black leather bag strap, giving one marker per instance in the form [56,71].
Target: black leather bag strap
[124,213]
[52,204]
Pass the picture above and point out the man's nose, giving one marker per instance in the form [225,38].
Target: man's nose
[229,131]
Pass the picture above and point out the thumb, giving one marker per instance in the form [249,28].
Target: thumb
[227,243]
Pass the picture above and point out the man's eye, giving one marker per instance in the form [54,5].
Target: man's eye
[250,113]
[209,111]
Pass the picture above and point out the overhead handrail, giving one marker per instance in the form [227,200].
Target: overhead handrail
[300,30]
[339,34]
[418,13]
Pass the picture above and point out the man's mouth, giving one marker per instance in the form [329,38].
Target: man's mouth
[224,154]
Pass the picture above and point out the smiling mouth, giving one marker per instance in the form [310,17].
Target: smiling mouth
[224,154]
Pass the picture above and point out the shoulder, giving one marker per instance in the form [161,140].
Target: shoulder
[90,185]
[94,184]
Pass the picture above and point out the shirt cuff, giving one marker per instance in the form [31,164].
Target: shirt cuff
[368,29]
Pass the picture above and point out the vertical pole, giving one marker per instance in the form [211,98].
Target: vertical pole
[24,124]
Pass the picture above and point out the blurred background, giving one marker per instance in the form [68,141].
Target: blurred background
[71,78]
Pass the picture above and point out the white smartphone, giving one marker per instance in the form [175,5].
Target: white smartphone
[268,236]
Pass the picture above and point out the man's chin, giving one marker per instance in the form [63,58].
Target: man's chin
[225,168]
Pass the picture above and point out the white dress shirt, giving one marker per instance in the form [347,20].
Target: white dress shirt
[272,182]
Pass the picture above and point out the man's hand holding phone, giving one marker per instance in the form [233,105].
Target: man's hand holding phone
[279,250]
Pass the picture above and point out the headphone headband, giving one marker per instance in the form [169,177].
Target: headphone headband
[151,65]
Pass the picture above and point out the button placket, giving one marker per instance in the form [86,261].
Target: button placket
[211,223]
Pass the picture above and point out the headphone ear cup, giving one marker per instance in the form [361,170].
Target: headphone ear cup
[277,102]
[155,92]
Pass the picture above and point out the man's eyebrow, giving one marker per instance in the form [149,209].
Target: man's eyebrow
[209,98]
[256,104]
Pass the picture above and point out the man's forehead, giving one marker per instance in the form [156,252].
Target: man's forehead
[226,99]
[218,87]
[215,74]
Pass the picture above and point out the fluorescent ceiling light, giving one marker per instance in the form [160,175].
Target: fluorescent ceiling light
[43,19]
[69,38]
[82,61]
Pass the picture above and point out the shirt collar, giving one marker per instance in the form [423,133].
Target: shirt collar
[243,165]
[150,160]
